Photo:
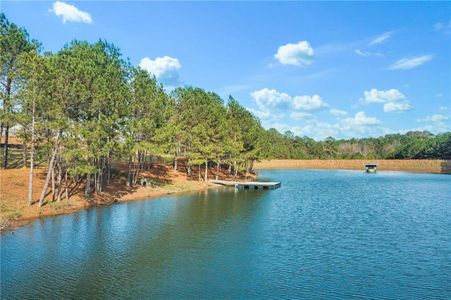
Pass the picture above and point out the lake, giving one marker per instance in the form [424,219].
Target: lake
[323,234]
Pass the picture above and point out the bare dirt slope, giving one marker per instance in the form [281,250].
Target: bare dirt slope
[14,208]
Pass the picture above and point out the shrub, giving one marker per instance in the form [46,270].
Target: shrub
[12,215]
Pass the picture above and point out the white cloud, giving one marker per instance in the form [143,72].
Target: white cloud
[443,108]
[360,119]
[297,54]
[359,125]
[319,130]
[270,98]
[367,53]
[438,127]
[275,106]
[410,63]
[281,127]
[308,103]
[267,99]
[381,38]
[307,124]
[338,113]
[261,114]
[393,99]
[434,118]
[397,106]
[377,96]
[443,26]
[266,115]
[300,115]
[438,123]
[165,69]
[70,13]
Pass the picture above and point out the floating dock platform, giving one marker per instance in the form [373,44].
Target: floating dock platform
[249,185]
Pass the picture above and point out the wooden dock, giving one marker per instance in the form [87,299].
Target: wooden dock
[249,185]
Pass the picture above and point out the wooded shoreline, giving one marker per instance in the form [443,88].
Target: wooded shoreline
[87,127]
[7,225]
[410,165]
[13,186]
[161,180]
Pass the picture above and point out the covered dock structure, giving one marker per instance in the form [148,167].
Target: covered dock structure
[371,167]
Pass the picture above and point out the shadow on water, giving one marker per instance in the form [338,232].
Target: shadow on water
[324,234]
[100,251]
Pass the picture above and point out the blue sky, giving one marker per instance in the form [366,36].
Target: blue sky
[317,69]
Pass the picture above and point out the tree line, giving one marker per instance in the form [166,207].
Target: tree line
[411,145]
[83,109]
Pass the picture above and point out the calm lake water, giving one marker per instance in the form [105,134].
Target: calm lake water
[324,234]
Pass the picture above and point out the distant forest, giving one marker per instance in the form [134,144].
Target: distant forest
[412,145]
[84,108]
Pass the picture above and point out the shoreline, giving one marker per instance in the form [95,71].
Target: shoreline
[15,211]
[12,225]
[182,184]
[414,166]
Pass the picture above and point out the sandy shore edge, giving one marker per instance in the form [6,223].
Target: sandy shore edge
[417,166]
[142,195]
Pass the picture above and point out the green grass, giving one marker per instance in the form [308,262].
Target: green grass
[12,215]
[62,204]
[3,208]
[177,187]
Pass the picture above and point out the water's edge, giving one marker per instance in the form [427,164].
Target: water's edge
[16,224]
[425,166]
[323,234]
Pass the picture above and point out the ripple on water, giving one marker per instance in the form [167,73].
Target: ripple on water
[324,234]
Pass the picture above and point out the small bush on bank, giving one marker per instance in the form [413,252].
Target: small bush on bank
[12,215]
[62,204]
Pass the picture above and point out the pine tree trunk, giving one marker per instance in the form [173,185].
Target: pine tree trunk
[6,108]
[60,181]
[30,181]
[246,165]
[175,164]
[53,183]
[30,175]
[24,155]
[135,178]
[96,177]
[102,170]
[108,167]
[188,166]
[47,178]
[206,170]
[199,172]
[67,185]
[88,186]
[5,146]
[217,167]
[129,175]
